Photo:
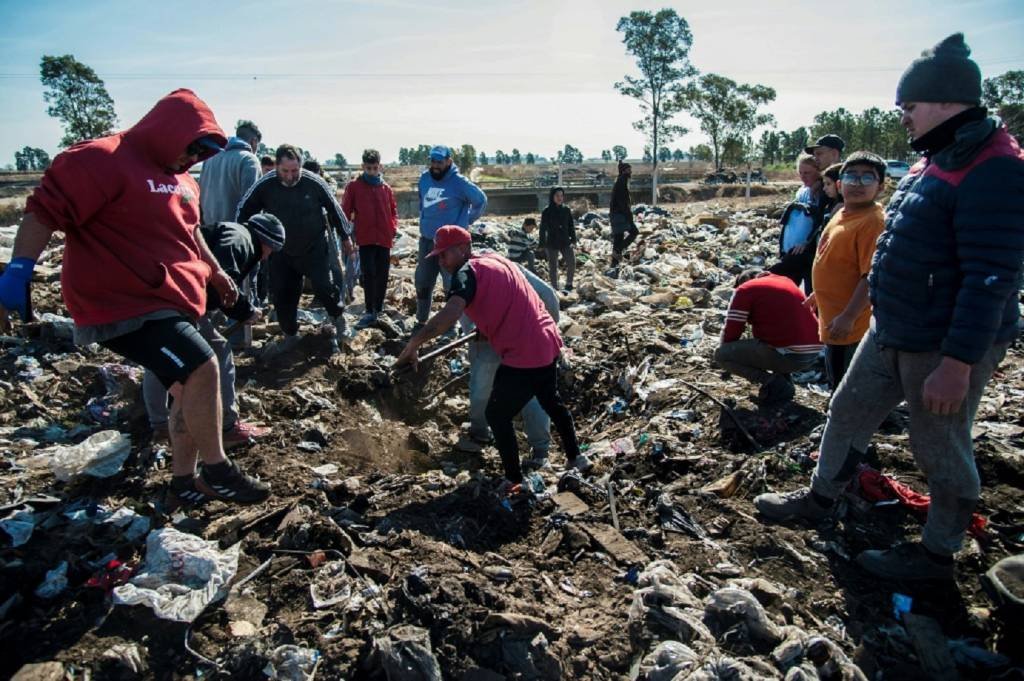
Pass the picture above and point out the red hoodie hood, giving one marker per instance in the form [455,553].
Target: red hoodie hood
[129,216]
[171,125]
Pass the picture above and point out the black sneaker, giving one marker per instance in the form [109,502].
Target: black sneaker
[190,494]
[234,486]
[796,504]
[906,562]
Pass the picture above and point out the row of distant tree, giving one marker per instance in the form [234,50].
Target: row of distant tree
[727,112]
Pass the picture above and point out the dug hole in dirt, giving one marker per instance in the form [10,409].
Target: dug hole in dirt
[385,554]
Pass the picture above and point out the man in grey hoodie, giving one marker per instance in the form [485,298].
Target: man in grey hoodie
[227,176]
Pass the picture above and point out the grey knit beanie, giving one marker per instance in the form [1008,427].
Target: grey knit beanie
[944,73]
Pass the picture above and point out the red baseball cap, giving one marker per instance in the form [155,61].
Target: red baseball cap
[448,236]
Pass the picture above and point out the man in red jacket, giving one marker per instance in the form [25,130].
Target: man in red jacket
[135,271]
[784,330]
[370,204]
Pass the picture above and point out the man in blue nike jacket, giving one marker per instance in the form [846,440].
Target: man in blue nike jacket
[446,198]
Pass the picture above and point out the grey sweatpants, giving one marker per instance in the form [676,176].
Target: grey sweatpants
[757,361]
[878,380]
[427,270]
[155,395]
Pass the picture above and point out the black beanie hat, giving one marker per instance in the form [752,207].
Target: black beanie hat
[944,73]
[268,229]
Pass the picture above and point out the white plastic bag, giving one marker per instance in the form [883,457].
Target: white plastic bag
[181,576]
[100,455]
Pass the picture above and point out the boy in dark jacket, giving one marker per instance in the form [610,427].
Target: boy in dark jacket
[558,236]
[239,249]
[370,204]
[943,287]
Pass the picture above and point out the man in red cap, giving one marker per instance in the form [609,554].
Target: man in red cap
[492,291]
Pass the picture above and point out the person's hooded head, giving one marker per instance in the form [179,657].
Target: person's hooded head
[267,233]
[178,132]
[556,196]
[625,169]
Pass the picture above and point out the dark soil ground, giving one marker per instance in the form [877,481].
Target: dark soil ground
[427,541]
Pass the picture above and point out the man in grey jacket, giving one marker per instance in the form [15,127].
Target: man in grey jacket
[227,176]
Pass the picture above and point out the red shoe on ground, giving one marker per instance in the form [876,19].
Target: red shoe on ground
[243,433]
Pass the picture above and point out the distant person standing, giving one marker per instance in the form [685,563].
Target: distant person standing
[299,198]
[227,176]
[370,204]
[266,164]
[624,230]
[446,198]
[558,236]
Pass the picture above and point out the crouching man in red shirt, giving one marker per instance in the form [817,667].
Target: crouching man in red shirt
[135,271]
[784,330]
[492,291]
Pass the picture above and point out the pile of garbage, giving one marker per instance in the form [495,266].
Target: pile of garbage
[386,554]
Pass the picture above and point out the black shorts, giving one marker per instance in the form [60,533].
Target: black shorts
[171,348]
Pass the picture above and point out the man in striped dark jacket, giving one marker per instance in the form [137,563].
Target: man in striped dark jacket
[299,199]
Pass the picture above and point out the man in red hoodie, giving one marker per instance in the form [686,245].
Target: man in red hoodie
[370,204]
[135,271]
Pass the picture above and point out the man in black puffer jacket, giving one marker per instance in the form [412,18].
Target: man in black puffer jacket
[943,285]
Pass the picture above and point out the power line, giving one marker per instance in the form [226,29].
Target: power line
[434,76]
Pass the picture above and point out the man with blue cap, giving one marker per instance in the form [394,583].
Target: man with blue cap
[446,198]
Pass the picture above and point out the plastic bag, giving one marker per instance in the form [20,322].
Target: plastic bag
[100,455]
[330,585]
[19,526]
[734,602]
[55,582]
[667,660]
[182,574]
[292,663]
[405,654]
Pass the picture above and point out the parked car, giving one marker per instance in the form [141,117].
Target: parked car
[896,169]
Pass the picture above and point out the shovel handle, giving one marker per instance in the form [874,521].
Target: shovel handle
[444,349]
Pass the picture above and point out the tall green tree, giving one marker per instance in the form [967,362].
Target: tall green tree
[701,152]
[1004,95]
[770,146]
[793,143]
[606,155]
[570,154]
[664,154]
[77,97]
[660,42]
[619,152]
[482,158]
[340,160]
[465,157]
[31,158]
[726,110]
[515,158]
[531,159]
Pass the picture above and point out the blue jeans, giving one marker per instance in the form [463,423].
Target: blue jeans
[427,270]
[483,364]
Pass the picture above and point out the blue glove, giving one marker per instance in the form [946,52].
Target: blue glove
[14,286]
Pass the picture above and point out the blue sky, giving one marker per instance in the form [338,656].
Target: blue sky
[341,76]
